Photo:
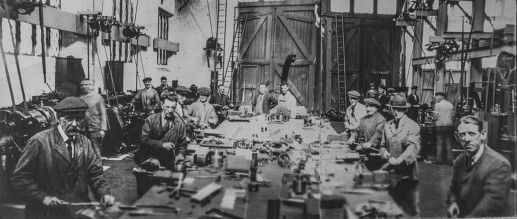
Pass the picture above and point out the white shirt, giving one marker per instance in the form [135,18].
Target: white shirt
[65,138]
[444,112]
[476,157]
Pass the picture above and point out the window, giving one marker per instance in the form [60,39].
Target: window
[386,7]
[163,33]
[340,5]
[427,86]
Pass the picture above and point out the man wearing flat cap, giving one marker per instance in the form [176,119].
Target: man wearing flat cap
[400,145]
[202,111]
[372,93]
[443,119]
[371,126]
[163,136]
[414,100]
[148,97]
[182,93]
[58,165]
[354,112]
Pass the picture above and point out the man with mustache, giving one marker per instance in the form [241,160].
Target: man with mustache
[163,136]
[481,178]
[58,165]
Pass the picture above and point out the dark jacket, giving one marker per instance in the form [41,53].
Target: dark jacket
[46,169]
[149,100]
[369,130]
[383,100]
[414,100]
[268,103]
[483,190]
[403,142]
[154,135]
[220,99]
[161,89]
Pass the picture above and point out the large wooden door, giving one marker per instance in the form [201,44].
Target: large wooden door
[372,55]
[271,33]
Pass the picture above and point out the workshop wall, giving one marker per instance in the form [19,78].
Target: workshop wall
[189,65]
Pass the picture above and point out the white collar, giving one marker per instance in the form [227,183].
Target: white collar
[476,157]
[62,132]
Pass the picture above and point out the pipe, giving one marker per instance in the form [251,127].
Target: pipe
[25,108]
[7,70]
[43,55]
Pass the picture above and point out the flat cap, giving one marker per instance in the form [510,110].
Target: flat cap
[147,79]
[372,84]
[372,101]
[414,87]
[204,91]
[71,104]
[182,90]
[391,89]
[398,101]
[441,93]
[354,93]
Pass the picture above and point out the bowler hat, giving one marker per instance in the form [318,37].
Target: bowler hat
[391,89]
[147,79]
[71,104]
[398,101]
[204,91]
[441,93]
[354,94]
[372,102]
[182,90]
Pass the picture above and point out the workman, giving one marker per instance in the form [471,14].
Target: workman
[414,100]
[182,93]
[263,101]
[354,113]
[371,126]
[286,102]
[400,145]
[384,100]
[372,93]
[163,89]
[96,118]
[202,111]
[148,97]
[481,177]
[163,136]
[221,99]
[443,118]
[58,165]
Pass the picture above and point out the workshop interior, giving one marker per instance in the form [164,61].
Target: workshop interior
[258,109]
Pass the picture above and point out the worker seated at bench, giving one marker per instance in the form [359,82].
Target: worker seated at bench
[163,136]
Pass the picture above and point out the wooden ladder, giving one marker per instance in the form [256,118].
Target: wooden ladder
[220,33]
[239,27]
[341,67]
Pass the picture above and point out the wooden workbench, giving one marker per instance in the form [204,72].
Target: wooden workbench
[254,205]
